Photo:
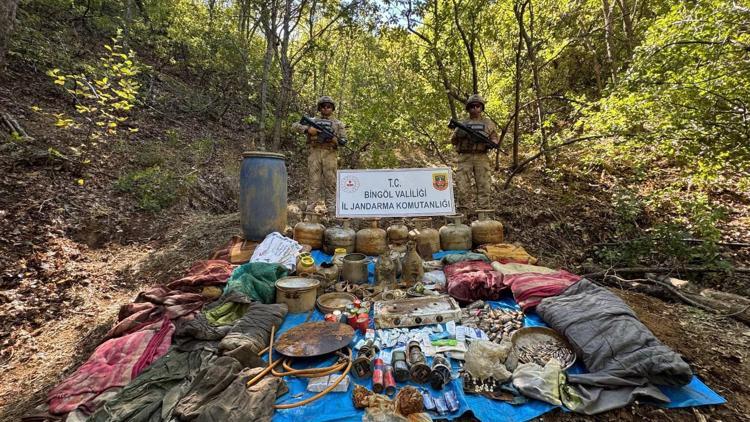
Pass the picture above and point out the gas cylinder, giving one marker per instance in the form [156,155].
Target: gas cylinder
[455,235]
[371,240]
[426,238]
[412,270]
[397,233]
[309,232]
[385,272]
[485,230]
[342,236]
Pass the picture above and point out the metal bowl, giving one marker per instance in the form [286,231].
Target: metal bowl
[330,302]
[530,336]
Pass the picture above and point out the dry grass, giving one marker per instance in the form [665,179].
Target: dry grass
[194,239]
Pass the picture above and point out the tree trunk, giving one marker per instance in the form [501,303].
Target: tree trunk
[268,15]
[607,12]
[531,50]
[518,9]
[285,90]
[627,26]
[7,20]
[468,44]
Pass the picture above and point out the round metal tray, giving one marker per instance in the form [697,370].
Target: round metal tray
[528,336]
[314,339]
[330,302]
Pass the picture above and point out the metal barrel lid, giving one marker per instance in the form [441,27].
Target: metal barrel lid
[297,283]
[263,154]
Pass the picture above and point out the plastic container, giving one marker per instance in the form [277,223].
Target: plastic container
[455,236]
[263,194]
[485,230]
[299,293]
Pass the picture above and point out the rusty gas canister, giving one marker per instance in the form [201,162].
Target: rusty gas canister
[426,238]
[412,271]
[485,230]
[397,234]
[455,236]
[371,240]
[342,236]
[309,232]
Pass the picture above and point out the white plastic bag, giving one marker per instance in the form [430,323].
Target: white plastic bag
[541,383]
[485,359]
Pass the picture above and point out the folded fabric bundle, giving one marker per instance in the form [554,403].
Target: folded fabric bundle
[152,305]
[257,280]
[505,253]
[277,249]
[252,333]
[227,309]
[530,288]
[153,395]
[237,251]
[516,268]
[473,280]
[219,394]
[214,272]
[113,364]
[623,357]
[453,258]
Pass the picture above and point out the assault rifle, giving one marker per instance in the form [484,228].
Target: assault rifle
[476,137]
[327,135]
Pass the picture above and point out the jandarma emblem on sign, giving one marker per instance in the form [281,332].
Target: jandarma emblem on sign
[350,184]
[440,181]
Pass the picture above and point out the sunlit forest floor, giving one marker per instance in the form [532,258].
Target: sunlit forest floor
[73,247]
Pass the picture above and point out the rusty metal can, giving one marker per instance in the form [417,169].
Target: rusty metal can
[331,318]
[400,368]
[389,381]
[378,376]
[363,321]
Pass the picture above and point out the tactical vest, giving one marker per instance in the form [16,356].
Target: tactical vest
[465,144]
[320,140]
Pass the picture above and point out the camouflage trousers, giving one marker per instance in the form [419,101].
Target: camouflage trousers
[476,166]
[321,168]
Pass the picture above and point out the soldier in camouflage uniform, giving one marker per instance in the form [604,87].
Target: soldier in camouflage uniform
[322,159]
[472,157]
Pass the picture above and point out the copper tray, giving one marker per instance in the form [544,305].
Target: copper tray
[314,339]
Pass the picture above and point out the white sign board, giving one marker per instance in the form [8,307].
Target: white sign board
[395,193]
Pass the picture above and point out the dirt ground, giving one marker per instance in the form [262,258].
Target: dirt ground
[72,252]
[716,348]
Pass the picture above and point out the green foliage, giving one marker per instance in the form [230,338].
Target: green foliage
[155,188]
[664,241]
[105,93]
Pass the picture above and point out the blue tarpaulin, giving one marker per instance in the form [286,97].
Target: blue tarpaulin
[339,406]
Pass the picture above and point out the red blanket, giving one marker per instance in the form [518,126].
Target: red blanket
[113,364]
[213,272]
[152,305]
[178,299]
[530,288]
[473,280]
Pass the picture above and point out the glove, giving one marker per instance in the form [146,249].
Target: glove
[312,131]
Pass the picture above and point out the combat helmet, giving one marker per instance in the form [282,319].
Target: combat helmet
[326,99]
[475,98]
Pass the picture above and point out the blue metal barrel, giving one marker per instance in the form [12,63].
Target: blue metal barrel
[263,182]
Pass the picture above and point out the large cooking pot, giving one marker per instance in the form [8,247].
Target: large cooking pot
[354,268]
